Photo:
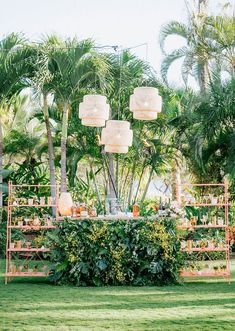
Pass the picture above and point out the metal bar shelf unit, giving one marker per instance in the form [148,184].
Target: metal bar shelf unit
[193,227]
[27,229]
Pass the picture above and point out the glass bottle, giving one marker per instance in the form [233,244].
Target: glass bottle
[74,211]
[78,210]
[93,211]
[136,210]
[83,210]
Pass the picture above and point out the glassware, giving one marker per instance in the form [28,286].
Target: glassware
[30,202]
[83,210]
[136,210]
[78,209]
[42,201]
[93,211]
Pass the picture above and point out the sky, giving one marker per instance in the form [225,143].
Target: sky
[125,23]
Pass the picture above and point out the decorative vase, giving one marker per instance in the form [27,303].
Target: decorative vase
[65,204]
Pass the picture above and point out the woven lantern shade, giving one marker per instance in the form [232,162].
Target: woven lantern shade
[94,110]
[145,103]
[117,136]
[65,204]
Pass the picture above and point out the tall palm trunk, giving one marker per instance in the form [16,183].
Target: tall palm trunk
[1,166]
[51,155]
[95,182]
[140,179]
[63,173]
[112,187]
[117,175]
[147,186]
[132,182]
[176,181]
[202,6]
[204,75]
[204,78]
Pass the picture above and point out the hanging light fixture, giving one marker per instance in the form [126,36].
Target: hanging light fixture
[65,204]
[94,110]
[117,136]
[145,103]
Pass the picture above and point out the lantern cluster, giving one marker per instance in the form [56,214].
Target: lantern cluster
[145,103]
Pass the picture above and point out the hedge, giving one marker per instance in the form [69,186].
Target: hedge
[115,252]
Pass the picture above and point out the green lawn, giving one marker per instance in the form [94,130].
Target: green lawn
[36,305]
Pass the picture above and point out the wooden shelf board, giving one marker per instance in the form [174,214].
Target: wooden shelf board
[28,250]
[201,226]
[204,274]
[26,274]
[205,249]
[33,227]
[204,205]
[33,206]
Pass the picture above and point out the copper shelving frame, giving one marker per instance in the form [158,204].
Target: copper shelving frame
[225,226]
[34,228]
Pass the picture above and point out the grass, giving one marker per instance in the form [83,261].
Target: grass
[30,304]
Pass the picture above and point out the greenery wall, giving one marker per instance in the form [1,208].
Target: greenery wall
[116,252]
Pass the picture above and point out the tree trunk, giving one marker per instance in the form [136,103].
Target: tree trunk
[117,175]
[132,182]
[204,76]
[63,173]
[176,188]
[112,187]
[94,182]
[141,175]
[147,186]
[1,167]
[51,155]
[202,6]
[204,79]
[123,187]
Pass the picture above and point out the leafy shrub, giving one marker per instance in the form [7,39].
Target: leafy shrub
[115,252]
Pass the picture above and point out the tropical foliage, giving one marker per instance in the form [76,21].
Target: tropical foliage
[95,253]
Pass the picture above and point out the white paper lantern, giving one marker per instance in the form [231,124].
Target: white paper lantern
[94,110]
[65,204]
[145,103]
[117,136]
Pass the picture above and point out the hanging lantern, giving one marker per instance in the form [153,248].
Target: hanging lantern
[145,103]
[94,110]
[65,204]
[117,136]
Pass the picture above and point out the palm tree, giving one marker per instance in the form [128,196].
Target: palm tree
[195,53]
[209,41]
[41,83]
[74,67]
[15,62]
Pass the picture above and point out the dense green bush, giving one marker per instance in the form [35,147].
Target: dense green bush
[115,252]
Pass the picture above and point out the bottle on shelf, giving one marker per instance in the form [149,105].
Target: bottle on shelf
[93,211]
[78,209]
[136,210]
[74,210]
[83,210]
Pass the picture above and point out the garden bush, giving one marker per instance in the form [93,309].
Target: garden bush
[115,252]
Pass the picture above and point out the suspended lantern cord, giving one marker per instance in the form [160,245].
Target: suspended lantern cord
[146,59]
[120,83]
